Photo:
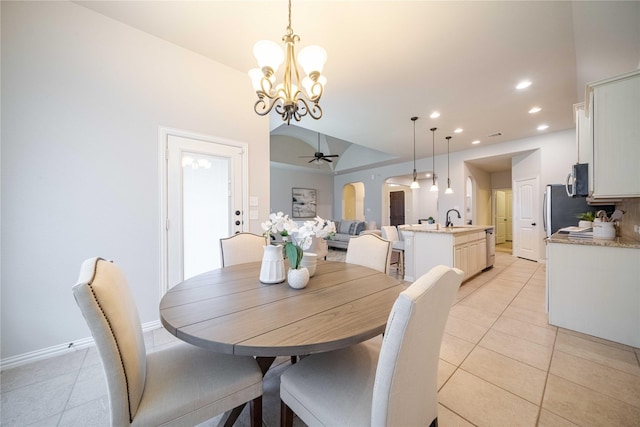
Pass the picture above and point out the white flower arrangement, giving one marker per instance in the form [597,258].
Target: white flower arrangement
[301,237]
[279,223]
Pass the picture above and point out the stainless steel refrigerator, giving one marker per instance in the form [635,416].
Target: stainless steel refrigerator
[560,210]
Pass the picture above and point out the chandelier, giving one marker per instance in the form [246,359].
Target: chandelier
[287,97]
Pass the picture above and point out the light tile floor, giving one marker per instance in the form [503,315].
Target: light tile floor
[501,364]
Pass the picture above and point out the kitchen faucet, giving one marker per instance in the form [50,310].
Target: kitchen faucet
[449,223]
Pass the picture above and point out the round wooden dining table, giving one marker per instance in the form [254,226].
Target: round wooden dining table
[229,310]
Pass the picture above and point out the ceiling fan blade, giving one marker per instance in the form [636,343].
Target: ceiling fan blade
[332,155]
[306,157]
[327,160]
[312,160]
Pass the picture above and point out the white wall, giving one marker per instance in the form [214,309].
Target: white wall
[557,154]
[285,177]
[83,97]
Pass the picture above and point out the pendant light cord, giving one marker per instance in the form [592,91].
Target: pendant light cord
[433,155]
[414,143]
[414,147]
[448,180]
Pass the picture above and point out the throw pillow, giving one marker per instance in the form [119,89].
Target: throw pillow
[345,227]
[352,229]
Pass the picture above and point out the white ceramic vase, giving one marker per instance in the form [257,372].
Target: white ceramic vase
[299,278]
[309,260]
[272,269]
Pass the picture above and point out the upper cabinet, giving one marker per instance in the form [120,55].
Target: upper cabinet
[584,141]
[614,130]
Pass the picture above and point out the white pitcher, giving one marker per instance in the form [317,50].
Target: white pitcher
[272,270]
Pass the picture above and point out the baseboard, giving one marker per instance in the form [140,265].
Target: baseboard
[57,350]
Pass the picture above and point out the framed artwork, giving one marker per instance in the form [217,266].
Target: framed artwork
[304,202]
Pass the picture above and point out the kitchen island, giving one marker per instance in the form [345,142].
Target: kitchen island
[593,287]
[464,247]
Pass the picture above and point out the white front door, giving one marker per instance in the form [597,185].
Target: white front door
[205,181]
[526,219]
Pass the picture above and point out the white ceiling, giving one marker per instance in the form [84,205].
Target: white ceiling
[391,60]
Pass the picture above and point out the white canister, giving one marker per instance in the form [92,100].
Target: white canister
[604,230]
[309,260]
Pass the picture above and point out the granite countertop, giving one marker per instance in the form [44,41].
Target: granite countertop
[458,229]
[618,242]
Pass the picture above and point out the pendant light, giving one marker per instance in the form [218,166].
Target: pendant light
[449,190]
[434,186]
[414,184]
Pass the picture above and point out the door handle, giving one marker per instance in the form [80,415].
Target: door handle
[533,223]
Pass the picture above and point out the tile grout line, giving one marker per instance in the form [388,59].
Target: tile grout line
[475,345]
[75,382]
[546,380]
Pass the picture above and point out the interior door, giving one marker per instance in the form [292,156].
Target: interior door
[501,217]
[526,219]
[509,215]
[396,208]
[204,203]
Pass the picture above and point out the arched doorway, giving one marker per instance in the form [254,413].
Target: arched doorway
[353,201]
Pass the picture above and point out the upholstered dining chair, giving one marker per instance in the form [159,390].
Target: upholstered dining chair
[241,248]
[390,232]
[392,384]
[369,250]
[176,386]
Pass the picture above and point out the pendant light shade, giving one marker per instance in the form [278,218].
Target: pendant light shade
[414,183]
[449,190]
[434,185]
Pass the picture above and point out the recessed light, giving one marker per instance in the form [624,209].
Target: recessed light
[543,127]
[523,84]
[477,141]
[535,110]
[459,130]
[435,115]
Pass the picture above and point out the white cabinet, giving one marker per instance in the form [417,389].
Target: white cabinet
[583,134]
[584,142]
[614,115]
[470,253]
[595,290]
[466,250]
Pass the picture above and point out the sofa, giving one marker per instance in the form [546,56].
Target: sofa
[345,229]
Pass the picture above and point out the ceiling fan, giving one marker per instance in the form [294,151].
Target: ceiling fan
[320,155]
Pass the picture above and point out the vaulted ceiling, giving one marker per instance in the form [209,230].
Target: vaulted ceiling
[391,60]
